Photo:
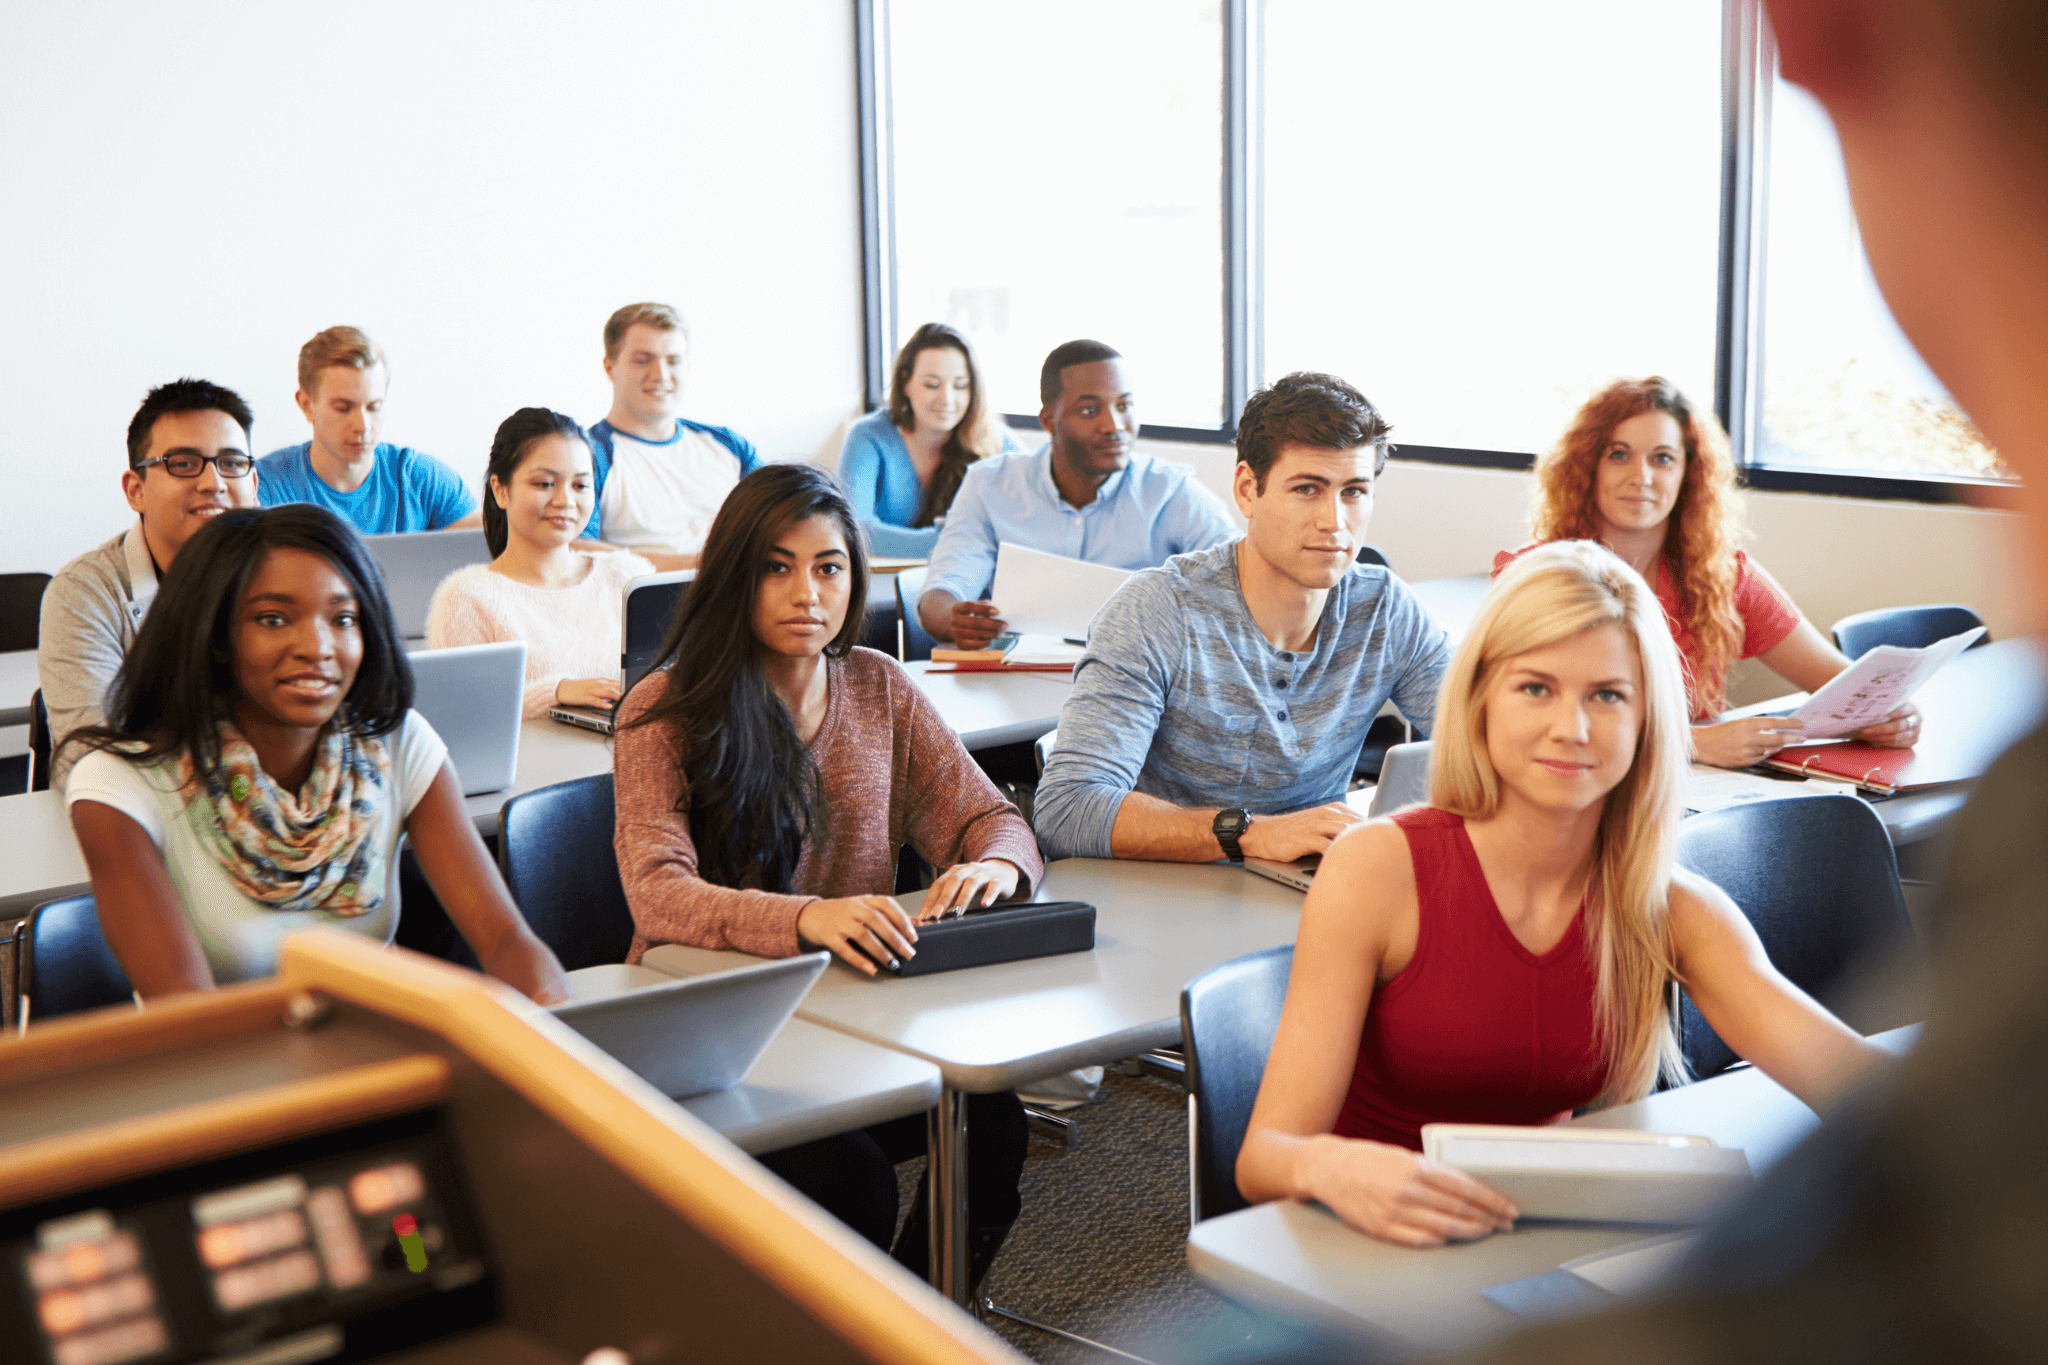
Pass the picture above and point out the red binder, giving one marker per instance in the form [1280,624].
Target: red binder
[1884,771]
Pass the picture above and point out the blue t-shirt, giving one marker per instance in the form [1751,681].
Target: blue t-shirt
[601,434]
[881,483]
[1181,697]
[406,490]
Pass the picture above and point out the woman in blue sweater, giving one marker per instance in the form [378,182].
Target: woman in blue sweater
[901,465]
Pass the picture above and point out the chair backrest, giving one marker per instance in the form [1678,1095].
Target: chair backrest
[1818,878]
[21,609]
[1913,627]
[1228,1016]
[649,607]
[68,966]
[1404,778]
[1042,747]
[555,851]
[38,743]
[917,641]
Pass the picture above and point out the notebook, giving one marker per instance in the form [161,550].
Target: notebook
[414,565]
[689,1036]
[472,695]
[649,606]
[1608,1175]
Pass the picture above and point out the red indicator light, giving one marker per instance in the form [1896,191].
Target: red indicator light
[405,1225]
[410,1242]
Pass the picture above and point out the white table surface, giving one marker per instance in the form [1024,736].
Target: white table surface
[1299,1260]
[18,685]
[987,709]
[991,1028]
[811,1082]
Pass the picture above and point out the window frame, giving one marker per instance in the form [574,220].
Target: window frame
[1749,60]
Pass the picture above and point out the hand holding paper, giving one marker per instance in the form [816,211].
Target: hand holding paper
[1869,690]
[1042,594]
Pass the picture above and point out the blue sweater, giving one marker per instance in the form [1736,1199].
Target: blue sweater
[881,483]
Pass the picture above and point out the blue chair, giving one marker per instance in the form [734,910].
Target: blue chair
[1912,627]
[555,851]
[67,967]
[1817,877]
[917,641]
[1228,1016]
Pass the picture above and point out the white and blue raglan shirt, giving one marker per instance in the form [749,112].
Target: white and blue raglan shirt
[663,495]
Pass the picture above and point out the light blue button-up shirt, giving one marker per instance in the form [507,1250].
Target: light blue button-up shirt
[1142,516]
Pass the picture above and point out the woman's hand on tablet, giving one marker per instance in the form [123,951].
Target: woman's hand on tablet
[864,930]
[964,886]
[586,692]
[1399,1196]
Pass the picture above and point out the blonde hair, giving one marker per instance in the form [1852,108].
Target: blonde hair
[659,316]
[1551,594]
[349,346]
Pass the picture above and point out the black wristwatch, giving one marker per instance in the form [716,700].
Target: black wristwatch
[1228,827]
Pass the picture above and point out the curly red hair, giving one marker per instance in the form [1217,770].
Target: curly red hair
[1702,531]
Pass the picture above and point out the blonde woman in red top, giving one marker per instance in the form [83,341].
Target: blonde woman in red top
[1650,477]
[1503,954]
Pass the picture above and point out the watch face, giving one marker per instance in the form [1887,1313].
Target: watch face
[1231,823]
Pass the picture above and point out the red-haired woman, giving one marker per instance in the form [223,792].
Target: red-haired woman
[1651,477]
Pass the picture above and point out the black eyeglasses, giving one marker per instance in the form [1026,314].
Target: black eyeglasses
[186,464]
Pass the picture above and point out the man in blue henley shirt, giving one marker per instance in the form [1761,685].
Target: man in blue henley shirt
[376,487]
[1086,495]
[1224,697]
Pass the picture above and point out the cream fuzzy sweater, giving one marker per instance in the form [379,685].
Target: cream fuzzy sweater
[569,632]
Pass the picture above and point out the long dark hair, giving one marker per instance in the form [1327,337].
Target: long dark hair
[516,435]
[752,787]
[178,680]
[973,438]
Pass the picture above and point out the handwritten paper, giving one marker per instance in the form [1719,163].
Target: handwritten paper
[1042,594]
[1876,685]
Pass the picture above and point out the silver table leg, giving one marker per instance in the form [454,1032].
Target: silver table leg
[946,1153]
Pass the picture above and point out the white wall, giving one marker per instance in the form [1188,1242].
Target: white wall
[197,189]
[1834,555]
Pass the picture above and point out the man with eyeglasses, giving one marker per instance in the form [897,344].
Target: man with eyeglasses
[188,461]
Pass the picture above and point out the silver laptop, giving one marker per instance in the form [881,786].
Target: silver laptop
[1299,874]
[471,695]
[693,1035]
[647,610]
[414,565]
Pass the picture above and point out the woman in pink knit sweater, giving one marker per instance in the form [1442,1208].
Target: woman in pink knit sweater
[767,783]
[562,601]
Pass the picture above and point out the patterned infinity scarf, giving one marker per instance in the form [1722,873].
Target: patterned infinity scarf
[316,850]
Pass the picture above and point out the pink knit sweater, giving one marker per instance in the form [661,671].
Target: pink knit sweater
[569,632]
[892,773]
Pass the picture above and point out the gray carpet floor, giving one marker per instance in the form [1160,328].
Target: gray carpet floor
[1101,1248]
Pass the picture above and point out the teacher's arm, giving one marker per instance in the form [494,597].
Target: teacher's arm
[1363,897]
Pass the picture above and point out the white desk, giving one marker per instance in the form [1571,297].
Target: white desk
[992,1028]
[987,709]
[18,684]
[1300,1261]
[812,1082]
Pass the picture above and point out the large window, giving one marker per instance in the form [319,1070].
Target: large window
[1477,211]
[1843,389]
[1480,212]
[1057,170]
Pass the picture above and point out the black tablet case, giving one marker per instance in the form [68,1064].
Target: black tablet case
[1000,933]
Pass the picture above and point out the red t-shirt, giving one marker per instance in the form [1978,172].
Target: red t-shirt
[1768,616]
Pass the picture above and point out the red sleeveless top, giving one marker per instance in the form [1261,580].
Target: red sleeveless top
[1476,1028]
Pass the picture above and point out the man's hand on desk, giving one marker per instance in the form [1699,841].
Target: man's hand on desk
[1397,1196]
[1740,743]
[1283,838]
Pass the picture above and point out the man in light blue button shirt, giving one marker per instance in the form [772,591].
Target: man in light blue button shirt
[1086,495]
[1224,697]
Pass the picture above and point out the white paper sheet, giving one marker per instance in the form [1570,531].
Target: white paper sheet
[1877,684]
[1712,788]
[1042,594]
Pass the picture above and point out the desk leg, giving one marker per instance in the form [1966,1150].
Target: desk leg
[946,1149]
